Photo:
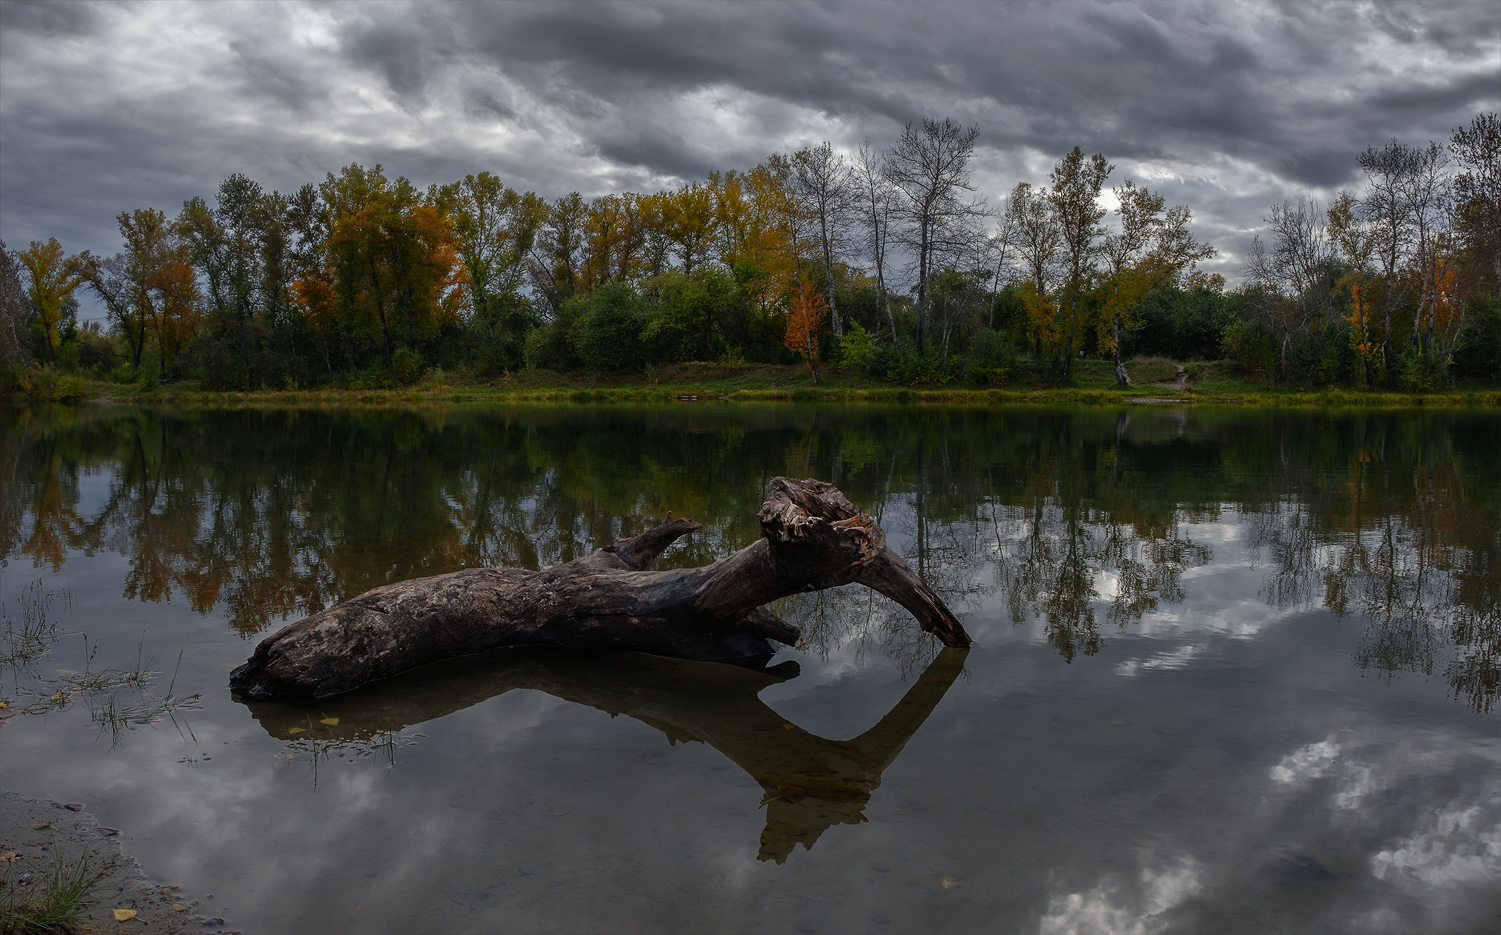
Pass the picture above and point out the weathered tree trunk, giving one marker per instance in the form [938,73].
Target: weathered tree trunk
[812,538]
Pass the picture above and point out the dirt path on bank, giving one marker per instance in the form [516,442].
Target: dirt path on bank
[33,831]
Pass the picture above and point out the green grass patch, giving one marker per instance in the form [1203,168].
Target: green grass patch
[1091,383]
[53,902]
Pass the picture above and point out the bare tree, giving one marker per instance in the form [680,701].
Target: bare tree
[1001,251]
[826,193]
[1428,190]
[12,309]
[929,166]
[1140,215]
[1385,207]
[875,197]
[1291,279]
[1035,233]
[1477,187]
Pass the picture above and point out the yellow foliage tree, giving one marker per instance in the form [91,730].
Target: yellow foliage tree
[53,280]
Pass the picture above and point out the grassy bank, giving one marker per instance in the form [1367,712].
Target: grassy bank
[1092,384]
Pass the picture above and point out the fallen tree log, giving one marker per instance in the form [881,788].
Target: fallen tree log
[811,538]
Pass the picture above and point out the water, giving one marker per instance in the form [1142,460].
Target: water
[1233,671]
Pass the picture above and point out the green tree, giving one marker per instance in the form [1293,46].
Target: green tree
[1074,199]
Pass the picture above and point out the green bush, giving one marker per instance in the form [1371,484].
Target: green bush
[15,379]
[1477,353]
[52,387]
[607,329]
[991,359]
[407,366]
[858,349]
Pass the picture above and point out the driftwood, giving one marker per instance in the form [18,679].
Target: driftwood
[812,538]
[808,783]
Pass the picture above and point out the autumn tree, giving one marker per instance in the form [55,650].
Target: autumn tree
[756,223]
[391,261]
[929,168]
[688,220]
[804,319]
[495,228]
[52,278]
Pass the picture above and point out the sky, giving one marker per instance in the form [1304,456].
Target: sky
[1226,107]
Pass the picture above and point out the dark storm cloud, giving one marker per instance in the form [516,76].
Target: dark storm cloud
[1226,107]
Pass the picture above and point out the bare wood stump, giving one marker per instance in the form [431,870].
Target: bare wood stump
[812,538]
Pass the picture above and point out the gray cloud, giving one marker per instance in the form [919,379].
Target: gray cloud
[1227,107]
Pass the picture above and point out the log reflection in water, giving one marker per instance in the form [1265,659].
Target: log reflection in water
[809,783]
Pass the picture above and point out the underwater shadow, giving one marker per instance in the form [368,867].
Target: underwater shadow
[809,783]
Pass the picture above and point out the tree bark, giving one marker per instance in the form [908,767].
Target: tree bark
[812,538]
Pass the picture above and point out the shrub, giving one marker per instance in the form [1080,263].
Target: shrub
[407,366]
[607,330]
[858,349]
[990,360]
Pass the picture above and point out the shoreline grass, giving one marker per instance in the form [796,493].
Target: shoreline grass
[1093,385]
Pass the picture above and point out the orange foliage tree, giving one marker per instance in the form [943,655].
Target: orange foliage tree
[803,322]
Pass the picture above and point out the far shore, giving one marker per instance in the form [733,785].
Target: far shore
[1158,382]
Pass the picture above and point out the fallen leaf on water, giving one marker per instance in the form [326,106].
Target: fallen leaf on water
[284,755]
[1347,730]
[39,825]
[1121,721]
[9,857]
[950,882]
[109,832]
[4,705]
[168,890]
[296,730]
[179,907]
[559,812]
[73,807]
[124,915]
[330,721]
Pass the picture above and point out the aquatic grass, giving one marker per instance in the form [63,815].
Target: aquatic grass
[54,904]
[21,646]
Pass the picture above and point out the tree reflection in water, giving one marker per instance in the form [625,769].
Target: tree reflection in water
[809,783]
[1082,519]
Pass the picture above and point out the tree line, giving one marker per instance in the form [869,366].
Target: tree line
[889,262]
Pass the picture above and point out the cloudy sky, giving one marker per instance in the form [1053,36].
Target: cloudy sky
[1225,106]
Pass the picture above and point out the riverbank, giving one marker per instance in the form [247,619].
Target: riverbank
[35,833]
[1092,384]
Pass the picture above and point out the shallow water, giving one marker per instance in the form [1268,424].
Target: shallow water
[1233,671]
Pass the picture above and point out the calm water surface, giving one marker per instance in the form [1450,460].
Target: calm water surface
[1233,672]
